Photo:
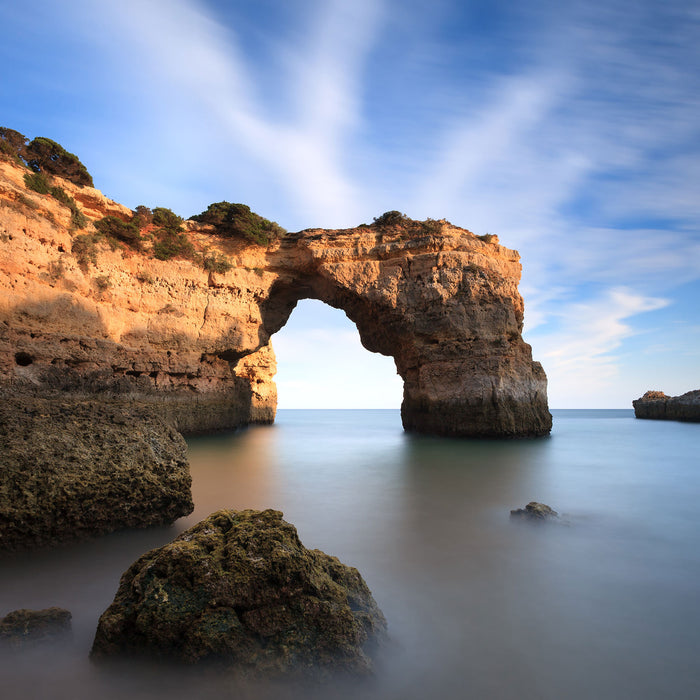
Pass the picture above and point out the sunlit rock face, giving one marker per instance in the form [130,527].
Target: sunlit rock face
[438,299]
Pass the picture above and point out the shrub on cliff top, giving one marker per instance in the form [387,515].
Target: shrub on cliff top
[392,218]
[142,216]
[238,221]
[167,219]
[45,155]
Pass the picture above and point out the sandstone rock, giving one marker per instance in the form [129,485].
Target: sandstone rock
[535,512]
[656,405]
[441,301]
[22,628]
[239,589]
[75,468]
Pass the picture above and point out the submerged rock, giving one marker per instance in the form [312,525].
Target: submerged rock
[535,512]
[71,468]
[657,405]
[240,589]
[22,628]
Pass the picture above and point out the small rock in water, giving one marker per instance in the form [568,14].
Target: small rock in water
[239,589]
[535,512]
[22,628]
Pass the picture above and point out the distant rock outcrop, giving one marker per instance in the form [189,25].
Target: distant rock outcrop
[534,512]
[240,590]
[74,468]
[658,406]
[23,628]
[80,313]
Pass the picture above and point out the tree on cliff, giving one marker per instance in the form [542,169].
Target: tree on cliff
[45,155]
[12,143]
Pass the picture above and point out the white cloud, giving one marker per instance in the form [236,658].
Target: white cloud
[319,368]
[300,142]
[579,356]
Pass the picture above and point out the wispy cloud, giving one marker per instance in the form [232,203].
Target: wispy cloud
[300,142]
[580,352]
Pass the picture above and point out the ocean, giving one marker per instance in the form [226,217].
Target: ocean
[603,604]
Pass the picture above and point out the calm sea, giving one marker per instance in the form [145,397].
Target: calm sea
[604,605]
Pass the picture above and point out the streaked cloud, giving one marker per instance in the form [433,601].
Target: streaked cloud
[580,351]
[568,129]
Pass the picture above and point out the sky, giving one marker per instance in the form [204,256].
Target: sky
[571,130]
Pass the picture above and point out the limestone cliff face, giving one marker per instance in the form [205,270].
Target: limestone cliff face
[439,300]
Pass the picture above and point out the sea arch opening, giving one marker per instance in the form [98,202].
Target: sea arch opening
[321,363]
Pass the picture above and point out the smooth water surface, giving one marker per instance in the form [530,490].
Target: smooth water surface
[601,605]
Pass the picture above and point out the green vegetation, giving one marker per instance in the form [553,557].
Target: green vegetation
[125,231]
[167,219]
[409,227]
[487,237]
[172,245]
[78,219]
[170,242]
[45,155]
[391,218]
[84,249]
[102,282]
[37,182]
[12,144]
[143,216]
[238,221]
[216,262]
[431,226]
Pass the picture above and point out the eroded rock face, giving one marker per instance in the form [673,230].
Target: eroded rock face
[656,405]
[239,589]
[75,468]
[441,301]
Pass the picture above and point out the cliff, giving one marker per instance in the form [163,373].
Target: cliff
[195,343]
[656,405]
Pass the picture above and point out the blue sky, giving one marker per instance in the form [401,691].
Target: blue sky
[571,130]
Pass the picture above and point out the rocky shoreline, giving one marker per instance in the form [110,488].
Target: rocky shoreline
[656,405]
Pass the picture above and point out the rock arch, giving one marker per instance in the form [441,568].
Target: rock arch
[444,306]
[441,301]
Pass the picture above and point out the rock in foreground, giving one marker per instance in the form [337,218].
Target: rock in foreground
[239,589]
[535,512]
[656,405]
[22,628]
[75,468]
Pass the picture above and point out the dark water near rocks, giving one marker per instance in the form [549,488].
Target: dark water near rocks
[606,605]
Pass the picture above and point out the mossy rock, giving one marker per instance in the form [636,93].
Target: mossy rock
[25,628]
[239,589]
[75,468]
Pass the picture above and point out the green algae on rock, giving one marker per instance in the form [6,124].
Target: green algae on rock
[25,628]
[240,589]
[73,468]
